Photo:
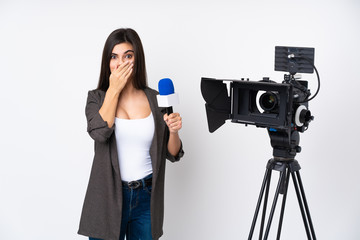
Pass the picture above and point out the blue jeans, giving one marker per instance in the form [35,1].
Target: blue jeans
[136,219]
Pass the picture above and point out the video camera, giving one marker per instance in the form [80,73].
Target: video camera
[282,108]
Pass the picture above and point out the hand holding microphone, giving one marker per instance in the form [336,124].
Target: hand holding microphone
[173,121]
[168,98]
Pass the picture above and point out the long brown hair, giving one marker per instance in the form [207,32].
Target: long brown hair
[118,36]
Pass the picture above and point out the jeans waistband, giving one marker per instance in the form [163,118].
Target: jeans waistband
[144,182]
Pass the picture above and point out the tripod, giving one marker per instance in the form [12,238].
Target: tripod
[286,168]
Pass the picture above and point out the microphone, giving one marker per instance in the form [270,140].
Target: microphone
[167,96]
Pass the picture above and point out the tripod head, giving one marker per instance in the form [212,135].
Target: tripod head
[285,144]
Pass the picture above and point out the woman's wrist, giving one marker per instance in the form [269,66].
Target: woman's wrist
[174,133]
[113,91]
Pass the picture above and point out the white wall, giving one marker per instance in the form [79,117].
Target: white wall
[50,57]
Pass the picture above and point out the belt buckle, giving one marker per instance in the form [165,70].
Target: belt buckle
[134,184]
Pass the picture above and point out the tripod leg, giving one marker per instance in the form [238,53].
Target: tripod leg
[264,206]
[300,200]
[282,175]
[305,205]
[283,204]
[265,183]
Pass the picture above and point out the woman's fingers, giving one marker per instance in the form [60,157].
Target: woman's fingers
[128,71]
[123,67]
[173,121]
[120,76]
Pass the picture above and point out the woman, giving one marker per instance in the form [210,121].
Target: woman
[125,194]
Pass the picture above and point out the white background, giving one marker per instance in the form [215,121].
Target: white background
[50,56]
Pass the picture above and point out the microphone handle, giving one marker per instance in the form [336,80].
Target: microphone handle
[168,110]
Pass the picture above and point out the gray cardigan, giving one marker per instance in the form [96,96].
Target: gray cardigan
[101,213]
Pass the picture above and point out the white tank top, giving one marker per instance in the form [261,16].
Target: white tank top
[133,140]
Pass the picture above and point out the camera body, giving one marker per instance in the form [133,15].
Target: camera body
[266,103]
[263,103]
[282,108]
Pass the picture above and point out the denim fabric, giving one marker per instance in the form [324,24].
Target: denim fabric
[136,218]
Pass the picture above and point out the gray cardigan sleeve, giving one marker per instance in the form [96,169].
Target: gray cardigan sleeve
[177,157]
[97,128]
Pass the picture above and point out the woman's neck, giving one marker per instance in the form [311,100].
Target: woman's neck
[129,91]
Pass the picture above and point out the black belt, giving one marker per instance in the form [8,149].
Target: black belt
[138,183]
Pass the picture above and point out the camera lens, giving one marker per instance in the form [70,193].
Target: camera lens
[268,101]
